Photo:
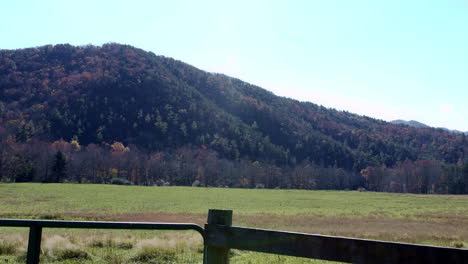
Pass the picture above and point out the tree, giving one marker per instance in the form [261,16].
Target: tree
[465,177]
[59,168]
[6,160]
[2,109]
[24,171]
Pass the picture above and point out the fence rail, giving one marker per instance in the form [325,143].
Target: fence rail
[220,236]
[332,248]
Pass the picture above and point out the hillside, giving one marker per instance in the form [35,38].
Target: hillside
[118,93]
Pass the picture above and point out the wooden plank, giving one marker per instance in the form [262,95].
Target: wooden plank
[214,254]
[331,248]
[34,244]
[101,225]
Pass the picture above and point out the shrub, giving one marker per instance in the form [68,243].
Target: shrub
[50,217]
[120,181]
[457,244]
[153,254]
[196,183]
[109,242]
[21,258]
[111,258]
[97,243]
[8,248]
[124,245]
[71,253]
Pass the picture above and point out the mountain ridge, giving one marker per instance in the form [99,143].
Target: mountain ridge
[415,123]
[412,123]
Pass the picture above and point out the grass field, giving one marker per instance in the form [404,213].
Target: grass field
[426,219]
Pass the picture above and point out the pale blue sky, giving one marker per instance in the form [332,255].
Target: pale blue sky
[387,59]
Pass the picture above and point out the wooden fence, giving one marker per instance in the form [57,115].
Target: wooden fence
[220,236]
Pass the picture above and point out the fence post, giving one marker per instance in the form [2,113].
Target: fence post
[217,255]
[34,244]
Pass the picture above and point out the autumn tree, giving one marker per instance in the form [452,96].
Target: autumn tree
[24,171]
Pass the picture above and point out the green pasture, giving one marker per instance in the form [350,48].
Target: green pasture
[32,200]
[426,219]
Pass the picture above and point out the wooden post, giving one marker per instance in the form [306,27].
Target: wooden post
[34,244]
[217,255]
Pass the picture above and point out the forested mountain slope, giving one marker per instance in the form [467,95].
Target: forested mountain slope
[118,93]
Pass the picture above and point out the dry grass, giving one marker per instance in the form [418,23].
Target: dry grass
[173,241]
[59,246]
[167,248]
[11,244]
[443,232]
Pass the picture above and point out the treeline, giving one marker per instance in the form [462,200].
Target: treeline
[422,176]
[62,161]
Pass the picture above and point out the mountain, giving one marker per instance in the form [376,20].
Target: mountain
[411,123]
[414,123]
[118,93]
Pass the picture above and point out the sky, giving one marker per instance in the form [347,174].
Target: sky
[388,59]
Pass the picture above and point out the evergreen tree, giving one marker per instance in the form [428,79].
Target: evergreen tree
[59,168]
[465,177]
